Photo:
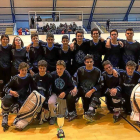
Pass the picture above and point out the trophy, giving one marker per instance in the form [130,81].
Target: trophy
[60,122]
[61,109]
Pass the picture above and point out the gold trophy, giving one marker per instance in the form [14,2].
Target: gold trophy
[60,122]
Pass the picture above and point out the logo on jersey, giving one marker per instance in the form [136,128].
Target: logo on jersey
[59,83]
[87,85]
[80,57]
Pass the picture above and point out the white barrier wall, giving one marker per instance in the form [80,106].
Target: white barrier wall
[27,38]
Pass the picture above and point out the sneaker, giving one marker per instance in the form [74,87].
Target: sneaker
[72,115]
[52,120]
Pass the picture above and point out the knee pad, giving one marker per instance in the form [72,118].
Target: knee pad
[7,101]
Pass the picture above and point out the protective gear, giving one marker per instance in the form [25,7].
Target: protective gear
[5,121]
[29,109]
[135,103]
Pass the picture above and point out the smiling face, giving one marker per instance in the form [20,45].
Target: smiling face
[42,70]
[65,42]
[108,68]
[23,72]
[95,35]
[18,41]
[50,41]
[35,39]
[4,41]
[79,37]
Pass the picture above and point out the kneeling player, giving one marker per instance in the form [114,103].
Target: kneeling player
[111,90]
[17,90]
[87,79]
[61,87]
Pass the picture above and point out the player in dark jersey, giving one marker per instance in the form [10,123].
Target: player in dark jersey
[19,54]
[65,53]
[131,49]
[96,48]
[43,82]
[36,53]
[87,79]
[17,90]
[5,62]
[62,85]
[51,52]
[112,90]
[79,52]
[113,53]
[128,80]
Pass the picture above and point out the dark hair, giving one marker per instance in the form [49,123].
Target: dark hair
[88,56]
[33,35]
[42,63]
[95,29]
[50,35]
[65,37]
[114,30]
[129,29]
[79,31]
[14,45]
[4,35]
[107,62]
[61,62]
[131,64]
[23,65]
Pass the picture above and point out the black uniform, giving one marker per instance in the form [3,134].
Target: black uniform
[79,53]
[51,56]
[85,81]
[22,85]
[130,51]
[97,50]
[67,57]
[114,55]
[63,84]
[5,66]
[127,83]
[35,55]
[111,82]
[43,84]
[18,56]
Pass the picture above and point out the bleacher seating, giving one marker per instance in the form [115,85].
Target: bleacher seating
[120,26]
[6,28]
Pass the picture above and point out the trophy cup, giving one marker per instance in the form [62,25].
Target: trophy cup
[60,122]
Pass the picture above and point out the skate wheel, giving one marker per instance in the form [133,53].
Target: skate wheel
[88,118]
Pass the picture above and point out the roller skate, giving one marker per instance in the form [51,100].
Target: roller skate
[5,122]
[89,115]
[138,123]
[72,115]
[116,116]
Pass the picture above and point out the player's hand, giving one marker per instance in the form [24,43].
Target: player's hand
[89,93]
[72,46]
[108,43]
[138,68]
[14,93]
[113,92]
[62,95]
[74,91]
[1,81]
[115,73]
[28,48]
[121,44]
[102,40]
[32,73]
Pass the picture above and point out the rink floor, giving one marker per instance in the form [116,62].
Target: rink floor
[102,129]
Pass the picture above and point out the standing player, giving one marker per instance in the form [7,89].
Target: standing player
[51,52]
[65,53]
[80,51]
[131,49]
[113,53]
[87,79]
[19,54]
[17,90]
[5,62]
[36,53]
